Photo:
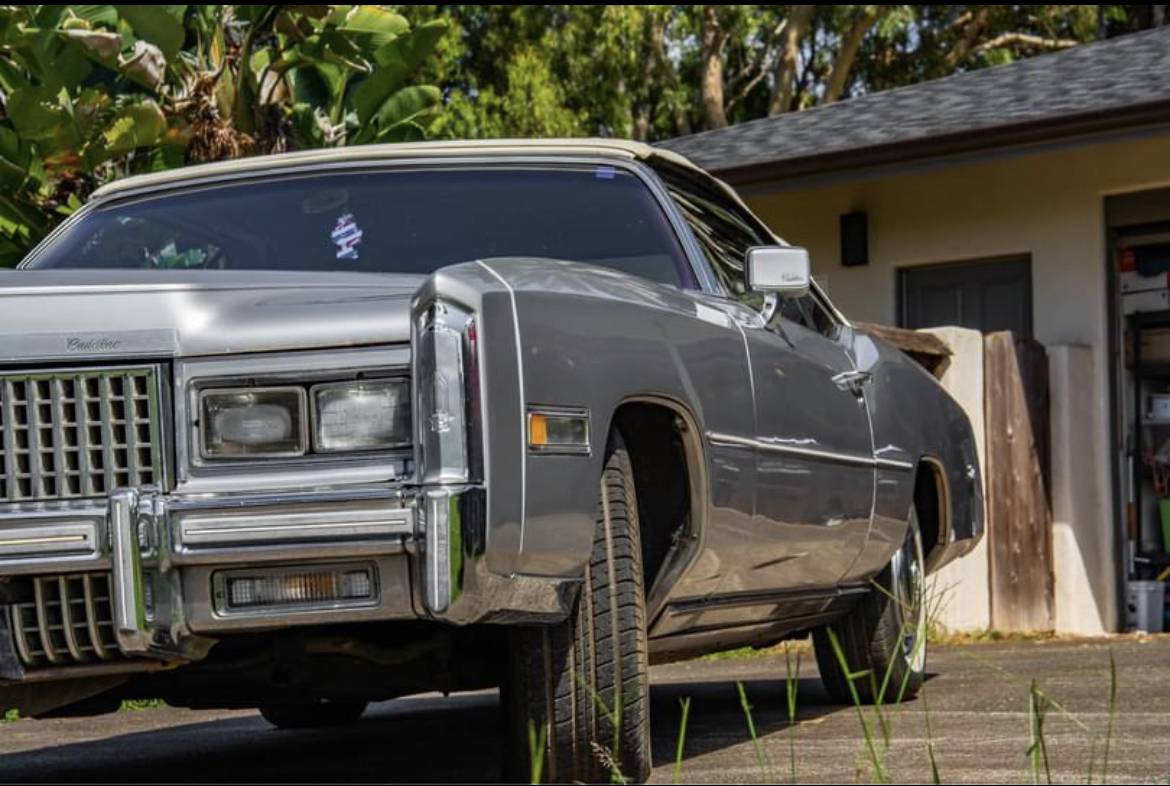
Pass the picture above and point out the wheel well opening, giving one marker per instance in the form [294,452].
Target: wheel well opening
[928,503]
[654,441]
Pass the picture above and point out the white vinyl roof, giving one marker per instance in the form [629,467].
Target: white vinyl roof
[609,148]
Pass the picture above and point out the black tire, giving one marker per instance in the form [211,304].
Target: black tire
[883,637]
[559,674]
[313,715]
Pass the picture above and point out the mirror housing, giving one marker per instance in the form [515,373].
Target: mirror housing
[778,270]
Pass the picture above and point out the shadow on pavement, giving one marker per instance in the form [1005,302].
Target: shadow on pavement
[413,739]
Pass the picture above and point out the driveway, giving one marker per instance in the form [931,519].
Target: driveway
[978,698]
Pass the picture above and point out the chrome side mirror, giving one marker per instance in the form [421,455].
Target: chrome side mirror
[782,271]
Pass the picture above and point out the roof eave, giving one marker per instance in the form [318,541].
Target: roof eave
[1047,130]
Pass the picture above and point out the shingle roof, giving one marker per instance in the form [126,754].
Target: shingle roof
[1102,79]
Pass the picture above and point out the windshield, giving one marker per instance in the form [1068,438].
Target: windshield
[408,221]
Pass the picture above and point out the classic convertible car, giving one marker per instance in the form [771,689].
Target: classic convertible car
[308,431]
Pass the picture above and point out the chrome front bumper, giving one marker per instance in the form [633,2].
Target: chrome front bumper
[426,546]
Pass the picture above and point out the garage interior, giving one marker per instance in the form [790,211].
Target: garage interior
[1138,237]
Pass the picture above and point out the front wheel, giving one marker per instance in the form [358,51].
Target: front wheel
[883,638]
[577,695]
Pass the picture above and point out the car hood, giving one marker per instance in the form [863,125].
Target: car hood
[68,314]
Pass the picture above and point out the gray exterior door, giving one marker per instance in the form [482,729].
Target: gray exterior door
[986,296]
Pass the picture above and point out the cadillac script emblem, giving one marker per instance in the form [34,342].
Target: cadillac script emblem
[90,344]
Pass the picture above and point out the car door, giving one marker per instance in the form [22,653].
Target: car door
[812,440]
[815,470]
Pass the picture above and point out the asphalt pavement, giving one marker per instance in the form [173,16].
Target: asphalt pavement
[976,703]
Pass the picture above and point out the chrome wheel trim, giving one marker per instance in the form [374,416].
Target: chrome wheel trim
[909,579]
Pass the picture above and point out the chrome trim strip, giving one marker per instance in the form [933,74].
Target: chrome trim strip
[771,446]
[523,398]
[70,539]
[212,529]
[130,629]
[904,466]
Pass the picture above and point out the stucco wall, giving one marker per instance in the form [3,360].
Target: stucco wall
[961,591]
[1046,203]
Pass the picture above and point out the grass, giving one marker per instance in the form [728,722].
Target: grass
[876,721]
[794,646]
[130,705]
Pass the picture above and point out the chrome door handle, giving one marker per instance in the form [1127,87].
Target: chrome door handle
[853,381]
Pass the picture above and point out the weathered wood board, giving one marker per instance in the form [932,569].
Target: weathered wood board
[1019,513]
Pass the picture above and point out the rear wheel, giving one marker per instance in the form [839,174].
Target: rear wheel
[313,714]
[582,687]
[883,638]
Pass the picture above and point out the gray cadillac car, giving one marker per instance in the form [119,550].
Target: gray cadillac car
[308,431]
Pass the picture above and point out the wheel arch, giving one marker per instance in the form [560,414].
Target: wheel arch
[669,547]
[932,502]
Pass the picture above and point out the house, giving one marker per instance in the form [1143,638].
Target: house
[1032,197]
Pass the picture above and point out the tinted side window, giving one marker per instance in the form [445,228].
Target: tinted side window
[726,234]
[808,311]
[723,234]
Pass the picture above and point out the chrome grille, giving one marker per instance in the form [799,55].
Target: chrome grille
[77,433]
[68,620]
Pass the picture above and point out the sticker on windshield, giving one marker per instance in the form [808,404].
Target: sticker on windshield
[346,236]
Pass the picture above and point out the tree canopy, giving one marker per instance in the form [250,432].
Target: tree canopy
[91,93]
[651,72]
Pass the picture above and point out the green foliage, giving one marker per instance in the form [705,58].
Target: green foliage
[638,71]
[92,93]
[89,93]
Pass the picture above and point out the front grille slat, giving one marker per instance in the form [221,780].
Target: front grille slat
[67,625]
[60,441]
[88,487]
[43,622]
[8,435]
[67,622]
[23,648]
[71,434]
[91,618]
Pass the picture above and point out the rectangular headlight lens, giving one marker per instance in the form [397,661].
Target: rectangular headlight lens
[361,415]
[253,423]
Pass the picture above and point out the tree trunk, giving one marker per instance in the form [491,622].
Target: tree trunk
[850,45]
[972,31]
[712,38]
[784,84]
[665,75]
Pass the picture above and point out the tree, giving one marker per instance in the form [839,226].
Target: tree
[651,72]
[91,93]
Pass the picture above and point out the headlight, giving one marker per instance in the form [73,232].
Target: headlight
[253,423]
[361,415]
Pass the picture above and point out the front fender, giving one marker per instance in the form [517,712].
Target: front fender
[563,334]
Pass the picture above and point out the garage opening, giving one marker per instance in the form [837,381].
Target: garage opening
[1138,237]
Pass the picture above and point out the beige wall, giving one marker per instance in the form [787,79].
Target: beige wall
[1045,203]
